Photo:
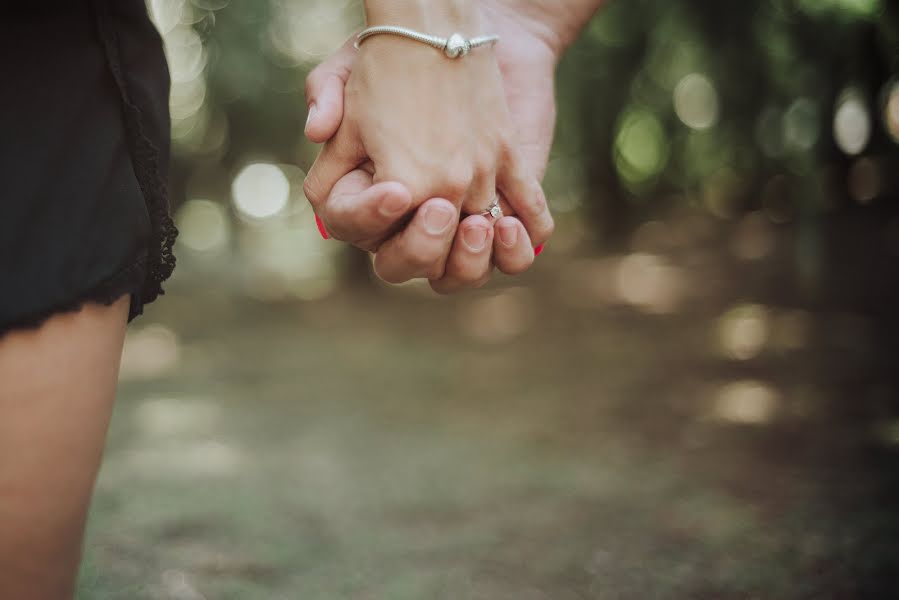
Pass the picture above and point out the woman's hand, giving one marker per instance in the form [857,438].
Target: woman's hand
[442,130]
[363,212]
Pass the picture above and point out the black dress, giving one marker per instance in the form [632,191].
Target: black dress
[84,150]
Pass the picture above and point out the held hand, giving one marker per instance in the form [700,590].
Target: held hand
[527,62]
[360,209]
[527,56]
[438,126]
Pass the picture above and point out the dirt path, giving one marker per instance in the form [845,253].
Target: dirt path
[520,443]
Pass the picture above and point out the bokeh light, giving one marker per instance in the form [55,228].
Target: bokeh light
[285,262]
[747,402]
[166,14]
[189,460]
[204,226]
[186,54]
[846,9]
[150,351]
[260,191]
[851,123]
[181,416]
[801,125]
[641,146]
[696,101]
[650,283]
[304,32]
[743,331]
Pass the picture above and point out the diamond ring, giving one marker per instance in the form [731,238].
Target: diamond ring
[494,211]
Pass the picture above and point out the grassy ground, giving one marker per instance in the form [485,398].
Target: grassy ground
[525,443]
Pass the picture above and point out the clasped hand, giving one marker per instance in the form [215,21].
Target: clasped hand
[417,147]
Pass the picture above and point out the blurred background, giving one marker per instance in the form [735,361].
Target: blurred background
[692,395]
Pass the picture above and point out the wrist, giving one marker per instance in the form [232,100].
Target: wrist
[436,17]
[558,29]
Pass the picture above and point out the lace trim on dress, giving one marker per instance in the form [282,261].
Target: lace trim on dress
[128,280]
[160,261]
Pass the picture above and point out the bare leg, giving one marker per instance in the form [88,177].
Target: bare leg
[57,385]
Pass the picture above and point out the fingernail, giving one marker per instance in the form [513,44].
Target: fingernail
[538,250]
[321,228]
[508,234]
[475,238]
[393,205]
[309,117]
[438,219]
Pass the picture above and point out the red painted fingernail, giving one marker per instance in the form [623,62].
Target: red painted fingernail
[321,228]
[538,250]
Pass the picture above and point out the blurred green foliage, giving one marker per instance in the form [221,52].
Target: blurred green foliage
[722,106]
[774,74]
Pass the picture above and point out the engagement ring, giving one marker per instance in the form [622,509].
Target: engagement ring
[493,211]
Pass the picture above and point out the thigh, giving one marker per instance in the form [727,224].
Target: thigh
[57,385]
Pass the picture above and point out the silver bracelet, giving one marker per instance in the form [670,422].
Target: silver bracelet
[455,46]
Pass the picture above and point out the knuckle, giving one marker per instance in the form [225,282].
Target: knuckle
[436,272]
[506,148]
[420,190]
[484,165]
[537,206]
[457,181]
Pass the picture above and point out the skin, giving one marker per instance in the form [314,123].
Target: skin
[57,385]
[373,215]
[456,163]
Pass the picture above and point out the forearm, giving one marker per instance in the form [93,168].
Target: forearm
[559,22]
[433,16]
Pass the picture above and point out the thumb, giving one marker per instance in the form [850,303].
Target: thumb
[324,93]
[362,212]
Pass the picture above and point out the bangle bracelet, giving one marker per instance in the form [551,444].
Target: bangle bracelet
[455,46]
